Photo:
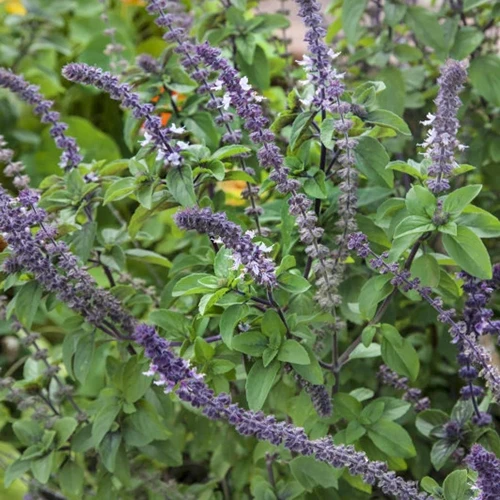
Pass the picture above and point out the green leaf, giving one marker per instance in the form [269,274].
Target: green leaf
[148,256]
[327,128]
[104,419]
[467,40]
[374,291]
[484,74]
[394,408]
[64,428]
[371,159]
[441,451]
[388,119]
[259,72]
[455,485]
[229,320]
[430,486]
[315,187]
[300,130]
[424,23]
[180,185]
[272,324]
[367,335]
[392,439]
[472,4]
[71,479]
[406,168]
[413,224]
[119,189]
[229,151]
[83,240]
[83,357]
[259,382]
[398,353]
[310,473]
[15,470]
[352,12]
[312,372]
[293,283]
[456,201]
[469,252]
[420,201]
[481,222]
[428,420]
[292,352]
[134,383]
[28,432]
[251,343]
[372,412]
[42,468]
[108,449]
[26,302]
[354,431]
[346,406]
[191,284]
[426,269]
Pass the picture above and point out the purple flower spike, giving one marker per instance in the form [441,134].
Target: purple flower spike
[175,373]
[70,157]
[441,141]
[216,225]
[158,135]
[487,465]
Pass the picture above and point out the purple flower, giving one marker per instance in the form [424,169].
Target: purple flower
[54,266]
[412,395]
[156,133]
[245,252]
[471,351]
[487,465]
[174,373]
[70,157]
[441,141]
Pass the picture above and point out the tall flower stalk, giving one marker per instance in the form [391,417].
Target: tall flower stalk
[459,332]
[246,103]
[70,157]
[33,254]
[441,141]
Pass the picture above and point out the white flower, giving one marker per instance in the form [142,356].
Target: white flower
[182,144]
[264,248]
[306,101]
[244,84]
[333,55]
[306,61]
[430,119]
[177,130]
[226,101]
[147,139]
[174,159]
[161,154]
[217,85]
[258,98]
[251,233]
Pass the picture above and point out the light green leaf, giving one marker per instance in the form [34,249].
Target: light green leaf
[259,382]
[180,185]
[456,201]
[388,119]
[292,352]
[398,353]
[469,252]
[352,11]
[371,159]
[392,439]
[148,256]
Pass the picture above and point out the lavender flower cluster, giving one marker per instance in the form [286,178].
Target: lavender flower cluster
[13,169]
[471,351]
[441,141]
[53,265]
[175,374]
[411,394]
[70,157]
[487,466]
[245,252]
[156,134]
[77,290]
[240,95]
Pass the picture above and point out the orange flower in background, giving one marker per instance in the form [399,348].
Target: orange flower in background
[14,7]
[233,191]
[138,3]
